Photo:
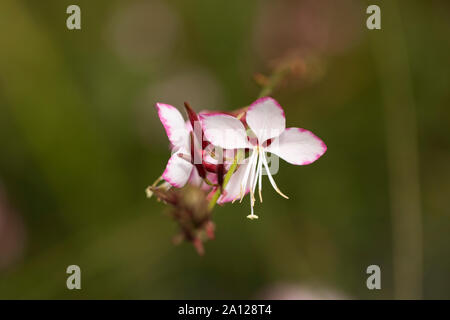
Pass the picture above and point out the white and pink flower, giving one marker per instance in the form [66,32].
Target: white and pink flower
[260,129]
[267,122]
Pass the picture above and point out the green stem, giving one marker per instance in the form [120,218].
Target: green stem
[230,172]
[274,80]
[392,62]
[209,182]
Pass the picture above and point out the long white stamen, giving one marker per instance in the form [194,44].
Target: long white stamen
[252,196]
[252,184]
[258,168]
[252,216]
[247,173]
[252,180]
[247,170]
[260,175]
[274,185]
[253,174]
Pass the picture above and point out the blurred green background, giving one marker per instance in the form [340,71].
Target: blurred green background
[80,140]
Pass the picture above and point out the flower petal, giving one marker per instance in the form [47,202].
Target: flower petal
[178,170]
[297,146]
[266,119]
[197,181]
[174,124]
[233,188]
[224,131]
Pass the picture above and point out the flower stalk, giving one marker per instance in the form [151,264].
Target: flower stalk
[237,159]
[274,80]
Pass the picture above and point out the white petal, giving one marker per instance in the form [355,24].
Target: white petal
[249,171]
[266,119]
[174,124]
[224,131]
[297,146]
[197,181]
[178,170]
[233,188]
[212,177]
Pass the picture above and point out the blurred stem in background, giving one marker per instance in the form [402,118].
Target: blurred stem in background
[274,80]
[389,49]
